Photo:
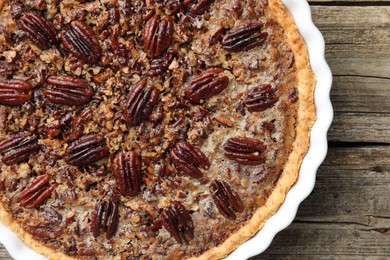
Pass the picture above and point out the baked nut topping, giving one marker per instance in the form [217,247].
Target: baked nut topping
[140,103]
[68,90]
[80,40]
[37,192]
[40,31]
[128,173]
[18,147]
[178,222]
[86,150]
[105,218]
[206,85]
[158,35]
[188,159]
[13,92]
[158,129]
[260,98]
[227,200]
[245,150]
[244,37]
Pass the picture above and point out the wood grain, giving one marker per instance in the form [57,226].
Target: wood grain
[348,213]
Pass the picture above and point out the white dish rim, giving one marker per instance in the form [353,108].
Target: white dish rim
[300,10]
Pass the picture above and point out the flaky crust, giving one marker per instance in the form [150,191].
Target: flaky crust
[304,122]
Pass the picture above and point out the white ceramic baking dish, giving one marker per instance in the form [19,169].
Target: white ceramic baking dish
[300,10]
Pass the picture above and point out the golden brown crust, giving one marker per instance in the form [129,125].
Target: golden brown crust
[305,119]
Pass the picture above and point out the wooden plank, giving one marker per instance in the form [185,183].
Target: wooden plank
[4,254]
[360,127]
[361,94]
[348,214]
[357,38]
[357,51]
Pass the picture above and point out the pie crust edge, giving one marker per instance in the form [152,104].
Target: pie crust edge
[305,119]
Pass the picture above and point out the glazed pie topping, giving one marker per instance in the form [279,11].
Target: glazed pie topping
[141,129]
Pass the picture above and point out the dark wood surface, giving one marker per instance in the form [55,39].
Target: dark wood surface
[348,214]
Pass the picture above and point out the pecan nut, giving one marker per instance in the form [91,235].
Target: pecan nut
[13,92]
[68,90]
[245,150]
[178,222]
[80,40]
[140,103]
[86,150]
[205,85]
[244,37]
[158,35]
[201,6]
[45,231]
[188,159]
[18,147]
[37,192]
[39,30]
[105,218]
[260,98]
[227,200]
[128,173]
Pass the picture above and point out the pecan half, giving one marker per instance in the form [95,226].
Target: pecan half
[18,147]
[260,98]
[13,92]
[227,200]
[86,150]
[37,192]
[45,231]
[105,218]
[201,6]
[188,159]
[178,222]
[39,30]
[245,150]
[158,35]
[68,90]
[80,40]
[244,37]
[140,103]
[128,173]
[205,85]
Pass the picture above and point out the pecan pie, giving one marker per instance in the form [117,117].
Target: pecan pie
[148,129]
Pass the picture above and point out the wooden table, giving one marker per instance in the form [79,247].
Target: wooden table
[348,214]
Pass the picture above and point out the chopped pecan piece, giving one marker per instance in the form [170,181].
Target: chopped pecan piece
[260,98]
[206,84]
[37,192]
[18,147]
[188,159]
[201,6]
[86,150]
[157,67]
[105,218]
[178,222]
[68,90]
[80,40]
[13,92]
[245,150]
[158,35]
[244,37]
[227,200]
[140,103]
[39,30]
[128,173]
